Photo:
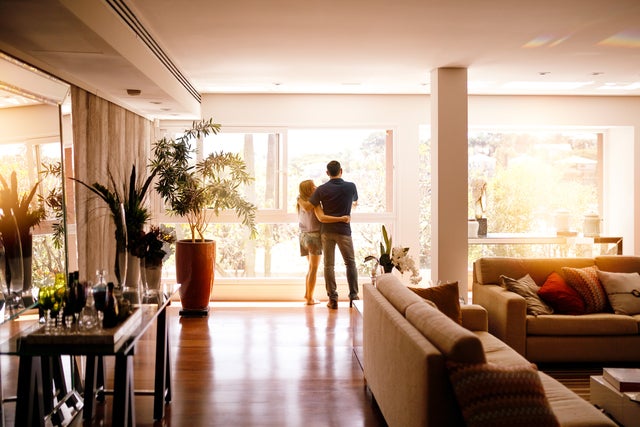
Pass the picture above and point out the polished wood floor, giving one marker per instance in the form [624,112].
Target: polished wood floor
[251,365]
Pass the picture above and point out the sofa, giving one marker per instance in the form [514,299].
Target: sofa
[606,335]
[409,346]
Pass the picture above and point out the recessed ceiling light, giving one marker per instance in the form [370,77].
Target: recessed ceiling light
[544,73]
[156,102]
[597,73]
[133,92]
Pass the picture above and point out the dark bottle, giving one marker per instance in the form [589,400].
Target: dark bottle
[110,318]
[100,290]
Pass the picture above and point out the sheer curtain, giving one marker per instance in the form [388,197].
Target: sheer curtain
[106,137]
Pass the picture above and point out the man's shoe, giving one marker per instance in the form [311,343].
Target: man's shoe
[332,304]
[351,300]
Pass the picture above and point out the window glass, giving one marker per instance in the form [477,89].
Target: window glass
[362,154]
[280,160]
[530,176]
[260,152]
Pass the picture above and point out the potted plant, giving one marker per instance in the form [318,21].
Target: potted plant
[157,248]
[126,205]
[197,192]
[16,224]
[391,258]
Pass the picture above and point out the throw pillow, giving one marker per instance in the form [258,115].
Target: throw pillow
[585,281]
[527,288]
[500,396]
[623,291]
[445,296]
[560,296]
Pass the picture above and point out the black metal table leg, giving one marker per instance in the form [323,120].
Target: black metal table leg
[90,378]
[123,391]
[162,383]
[30,400]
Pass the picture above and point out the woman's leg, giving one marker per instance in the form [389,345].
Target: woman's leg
[312,273]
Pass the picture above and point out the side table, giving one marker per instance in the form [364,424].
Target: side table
[613,402]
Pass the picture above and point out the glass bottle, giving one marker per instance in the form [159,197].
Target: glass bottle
[88,318]
[100,290]
[110,318]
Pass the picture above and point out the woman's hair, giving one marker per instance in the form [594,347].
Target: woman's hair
[305,190]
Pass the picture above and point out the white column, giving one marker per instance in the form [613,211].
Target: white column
[449,170]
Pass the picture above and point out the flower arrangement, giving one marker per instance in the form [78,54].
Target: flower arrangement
[157,245]
[397,257]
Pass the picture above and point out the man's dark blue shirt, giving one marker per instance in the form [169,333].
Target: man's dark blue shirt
[337,197]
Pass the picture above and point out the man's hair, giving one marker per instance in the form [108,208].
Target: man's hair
[333,167]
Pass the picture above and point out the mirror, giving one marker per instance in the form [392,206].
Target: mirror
[34,117]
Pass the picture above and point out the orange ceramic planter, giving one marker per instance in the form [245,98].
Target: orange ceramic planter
[195,266]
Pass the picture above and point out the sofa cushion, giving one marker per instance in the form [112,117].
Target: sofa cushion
[496,351]
[528,289]
[595,324]
[586,282]
[454,341]
[445,296]
[623,291]
[396,293]
[560,296]
[500,396]
[570,409]
[618,263]
[487,270]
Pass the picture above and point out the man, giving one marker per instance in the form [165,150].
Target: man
[337,196]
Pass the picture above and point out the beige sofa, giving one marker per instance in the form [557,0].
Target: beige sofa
[406,345]
[596,337]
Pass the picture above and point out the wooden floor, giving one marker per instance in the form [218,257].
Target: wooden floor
[260,365]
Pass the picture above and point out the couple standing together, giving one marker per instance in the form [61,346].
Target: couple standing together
[324,214]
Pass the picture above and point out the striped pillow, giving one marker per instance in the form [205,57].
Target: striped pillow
[586,282]
[491,395]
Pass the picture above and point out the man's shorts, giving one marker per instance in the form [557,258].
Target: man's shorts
[310,243]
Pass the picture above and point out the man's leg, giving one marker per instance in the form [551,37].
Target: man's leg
[345,244]
[329,252]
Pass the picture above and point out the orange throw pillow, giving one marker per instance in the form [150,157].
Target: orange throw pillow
[560,296]
[445,296]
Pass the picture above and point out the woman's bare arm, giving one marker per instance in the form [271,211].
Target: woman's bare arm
[328,218]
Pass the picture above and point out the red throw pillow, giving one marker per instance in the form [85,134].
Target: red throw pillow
[560,296]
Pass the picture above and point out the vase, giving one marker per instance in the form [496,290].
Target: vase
[132,284]
[472,228]
[387,268]
[152,281]
[195,266]
[482,227]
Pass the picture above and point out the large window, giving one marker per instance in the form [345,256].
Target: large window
[39,163]
[280,159]
[530,177]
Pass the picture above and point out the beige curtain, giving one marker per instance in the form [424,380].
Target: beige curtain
[106,137]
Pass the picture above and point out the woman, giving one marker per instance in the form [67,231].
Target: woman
[309,219]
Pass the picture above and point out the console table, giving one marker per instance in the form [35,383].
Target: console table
[533,239]
[33,401]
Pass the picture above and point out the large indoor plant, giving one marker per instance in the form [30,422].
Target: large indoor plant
[17,220]
[126,204]
[197,191]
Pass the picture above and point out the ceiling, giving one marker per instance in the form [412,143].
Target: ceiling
[174,51]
